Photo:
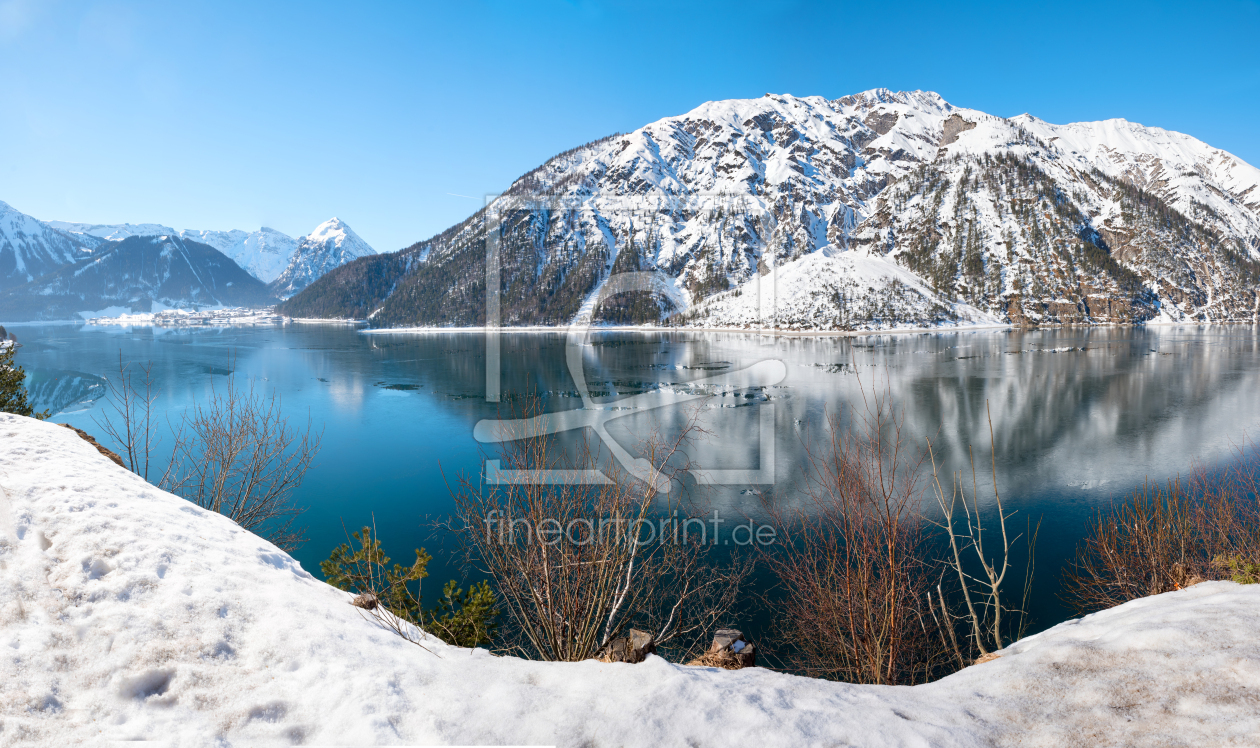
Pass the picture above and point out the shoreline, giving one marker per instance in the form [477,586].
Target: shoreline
[780,332]
[646,329]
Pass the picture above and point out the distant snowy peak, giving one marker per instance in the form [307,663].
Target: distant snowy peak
[264,253]
[30,248]
[335,230]
[331,245]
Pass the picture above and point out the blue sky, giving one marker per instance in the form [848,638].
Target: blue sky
[235,115]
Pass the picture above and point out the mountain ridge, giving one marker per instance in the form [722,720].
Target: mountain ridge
[32,252]
[138,273]
[265,253]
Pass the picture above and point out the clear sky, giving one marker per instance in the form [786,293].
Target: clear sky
[222,115]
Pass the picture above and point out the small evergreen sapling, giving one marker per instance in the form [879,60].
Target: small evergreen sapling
[367,570]
[464,618]
[1240,569]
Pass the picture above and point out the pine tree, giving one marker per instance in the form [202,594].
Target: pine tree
[13,394]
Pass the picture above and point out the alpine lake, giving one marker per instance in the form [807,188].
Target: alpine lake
[1080,416]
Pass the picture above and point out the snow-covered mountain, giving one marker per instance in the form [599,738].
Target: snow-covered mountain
[331,245]
[29,248]
[32,253]
[881,209]
[137,274]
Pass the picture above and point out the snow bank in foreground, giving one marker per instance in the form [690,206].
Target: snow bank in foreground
[129,614]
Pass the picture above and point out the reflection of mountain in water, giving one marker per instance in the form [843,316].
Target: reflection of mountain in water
[1085,413]
[62,391]
[1098,409]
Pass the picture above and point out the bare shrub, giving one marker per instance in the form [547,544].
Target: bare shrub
[983,596]
[853,564]
[1160,538]
[237,454]
[576,565]
[1227,512]
[129,418]
[1135,549]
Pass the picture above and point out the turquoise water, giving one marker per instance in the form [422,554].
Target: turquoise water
[1080,416]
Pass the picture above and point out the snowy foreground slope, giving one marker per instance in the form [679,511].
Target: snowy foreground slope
[128,614]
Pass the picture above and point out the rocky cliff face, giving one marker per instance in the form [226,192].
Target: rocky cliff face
[876,210]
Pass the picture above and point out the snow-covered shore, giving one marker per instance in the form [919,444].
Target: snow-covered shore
[781,332]
[128,614]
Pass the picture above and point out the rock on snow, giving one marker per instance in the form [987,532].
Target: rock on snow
[127,613]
